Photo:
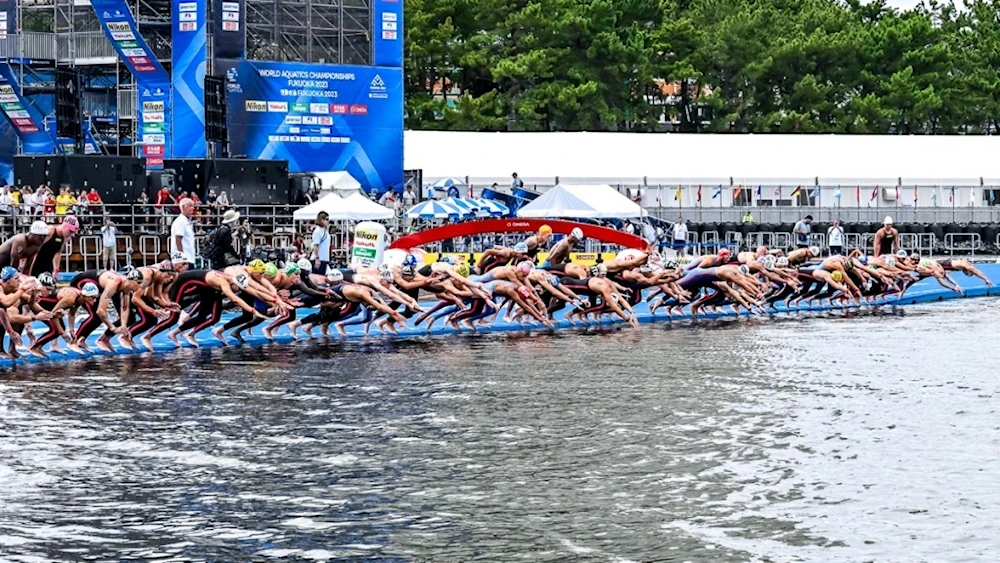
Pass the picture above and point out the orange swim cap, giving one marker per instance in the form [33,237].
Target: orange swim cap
[545,230]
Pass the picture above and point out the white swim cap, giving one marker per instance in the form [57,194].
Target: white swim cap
[769,262]
[814,250]
[385,271]
[305,264]
[782,261]
[335,276]
[576,233]
[744,269]
[39,228]
[890,261]
[242,281]
[901,253]
[887,220]
[90,289]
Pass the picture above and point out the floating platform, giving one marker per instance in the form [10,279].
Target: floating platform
[924,291]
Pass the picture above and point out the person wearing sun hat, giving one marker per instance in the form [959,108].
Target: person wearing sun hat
[220,249]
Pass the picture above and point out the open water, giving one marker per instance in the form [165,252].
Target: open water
[833,437]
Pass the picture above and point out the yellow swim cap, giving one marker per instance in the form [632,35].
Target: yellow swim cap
[256,266]
[462,269]
[837,276]
[545,230]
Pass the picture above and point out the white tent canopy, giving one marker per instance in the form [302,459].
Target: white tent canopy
[582,202]
[355,207]
[337,181]
[709,159]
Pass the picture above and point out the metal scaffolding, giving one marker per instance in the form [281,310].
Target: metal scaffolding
[315,31]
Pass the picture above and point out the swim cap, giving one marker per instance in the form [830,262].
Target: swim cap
[385,271]
[305,264]
[291,269]
[90,289]
[521,248]
[744,269]
[814,250]
[525,267]
[725,253]
[544,230]
[901,253]
[524,292]
[7,274]
[256,266]
[670,265]
[410,260]
[270,269]
[782,261]
[646,269]
[602,269]
[915,256]
[71,223]
[769,262]
[887,220]
[890,261]
[925,263]
[242,281]
[408,271]
[39,228]
[594,271]
[837,276]
[46,280]
[446,260]
[462,269]
[577,233]
[762,250]
[134,275]
[553,280]
[165,266]
[178,258]
[863,259]
[335,276]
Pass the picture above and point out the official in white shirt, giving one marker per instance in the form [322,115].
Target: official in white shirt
[182,231]
[835,238]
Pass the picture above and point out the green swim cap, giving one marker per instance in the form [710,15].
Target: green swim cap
[270,269]
[925,263]
[291,268]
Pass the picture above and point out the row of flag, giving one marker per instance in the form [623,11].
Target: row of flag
[815,193]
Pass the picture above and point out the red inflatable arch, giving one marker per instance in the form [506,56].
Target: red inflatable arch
[446,232]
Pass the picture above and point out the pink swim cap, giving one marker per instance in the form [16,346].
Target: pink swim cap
[70,222]
[525,267]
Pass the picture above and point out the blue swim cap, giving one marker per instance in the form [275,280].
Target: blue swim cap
[410,260]
[521,248]
[7,274]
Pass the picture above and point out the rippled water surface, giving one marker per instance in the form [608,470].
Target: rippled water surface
[822,438]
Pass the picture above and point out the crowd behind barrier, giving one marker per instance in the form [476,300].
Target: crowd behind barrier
[141,234]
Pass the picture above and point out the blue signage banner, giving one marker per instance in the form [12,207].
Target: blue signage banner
[229,36]
[153,82]
[8,18]
[190,57]
[320,118]
[388,33]
[27,122]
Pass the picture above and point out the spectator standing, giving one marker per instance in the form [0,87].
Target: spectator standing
[222,203]
[15,200]
[6,201]
[802,230]
[515,182]
[680,236]
[37,201]
[319,252]
[163,198]
[80,203]
[220,249]
[748,217]
[210,200]
[182,231]
[64,201]
[94,202]
[49,204]
[409,197]
[388,198]
[835,238]
[244,234]
[109,245]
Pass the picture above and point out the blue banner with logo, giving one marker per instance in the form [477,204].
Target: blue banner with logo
[320,118]
[189,54]
[26,120]
[152,81]
[388,33]
[8,18]
[229,36]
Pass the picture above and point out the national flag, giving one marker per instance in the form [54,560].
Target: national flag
[717,193]
[659,192]
[470,191]
[897,193]
[934,194]
[874,194]
[699,193]
[859,195]
[972,196]
[758,191]
[815,192]
[797,191]
[991,196]
[836,193]
[737,192]
[777,191]
[677,194]
[915,194]
[951,196]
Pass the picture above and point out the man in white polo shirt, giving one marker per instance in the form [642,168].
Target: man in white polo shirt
[320,251]
[182,231]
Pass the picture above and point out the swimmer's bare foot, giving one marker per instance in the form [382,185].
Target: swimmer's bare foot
[147,343]
[172,335]
[189,336]
[104,343]
[340,330]
[75,348]
[267,334]
[218,333]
